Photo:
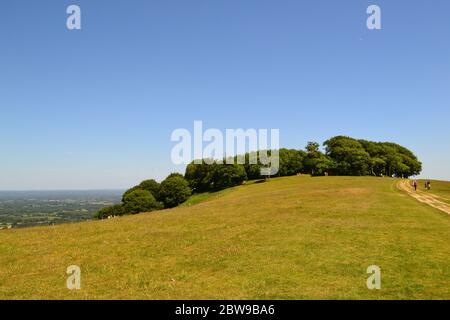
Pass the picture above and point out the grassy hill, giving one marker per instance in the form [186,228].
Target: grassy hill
[290,238]
[441,189]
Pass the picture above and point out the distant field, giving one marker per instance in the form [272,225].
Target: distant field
[290,238]
[36,208]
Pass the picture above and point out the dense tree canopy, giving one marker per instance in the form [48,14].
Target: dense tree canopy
[174,190]
[112,211]
[140,201]
[349,156]
[130,191]
[152,186]
[224,176]
[290,162]
[212,177]
[362,157]
[199,176]
[148,185]
[253,170]
[315,162]
[343,156]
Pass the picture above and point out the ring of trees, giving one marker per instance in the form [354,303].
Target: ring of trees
[342,156]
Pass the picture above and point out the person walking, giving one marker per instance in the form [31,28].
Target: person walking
[415,185]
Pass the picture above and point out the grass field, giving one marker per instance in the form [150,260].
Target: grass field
[290,238]
[438,188]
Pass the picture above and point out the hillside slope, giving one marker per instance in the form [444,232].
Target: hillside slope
[290,238]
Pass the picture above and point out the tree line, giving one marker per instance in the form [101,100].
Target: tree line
[342,156]
[149,196]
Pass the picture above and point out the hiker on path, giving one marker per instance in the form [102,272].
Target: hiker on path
[415,185]
[428,185]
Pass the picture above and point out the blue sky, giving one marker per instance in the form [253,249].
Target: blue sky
[95,108]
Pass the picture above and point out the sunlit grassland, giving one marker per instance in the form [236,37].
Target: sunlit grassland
[438,188]
[290,238]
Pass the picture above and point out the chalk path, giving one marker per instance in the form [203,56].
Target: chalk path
[431,200]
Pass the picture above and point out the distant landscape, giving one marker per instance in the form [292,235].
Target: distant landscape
[20,209]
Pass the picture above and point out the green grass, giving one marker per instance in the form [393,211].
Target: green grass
[202,197]
[438,188]
[290,238]
[206,196]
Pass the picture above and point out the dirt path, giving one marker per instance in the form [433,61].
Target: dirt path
[431,200]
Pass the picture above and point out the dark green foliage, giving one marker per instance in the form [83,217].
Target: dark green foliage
[150,185]
[343,156]
[130,191]
[213,177]
[146,197]
[362,157]
[253,171]
[174,191]
[226,175]
[291,162]
[399,160]
[199,177]
[140,201]
[252,166]
[175,174]
[349,156]
[315,162]
[113,211]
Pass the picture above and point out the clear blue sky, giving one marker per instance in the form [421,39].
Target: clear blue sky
[95,108]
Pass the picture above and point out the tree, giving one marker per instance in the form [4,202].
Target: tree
[290,162]
[362,157]
[130,191]
[252,170]
[403,162]
[312,147]
[315,162]
[349,156]
[378,166]
[140,201]
[391,159]
[205,177]
[174,191]
[150,185]
[199,176]
[323,165]
[224,176]
[112,211]
[175,174]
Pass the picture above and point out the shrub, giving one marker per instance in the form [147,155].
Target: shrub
[174,191]
[148,185]
[199,177]
[113,211]
[152,186]
[226,176]
[130,191]
[291,162]
[175,174]
[140,201]
[213,177]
